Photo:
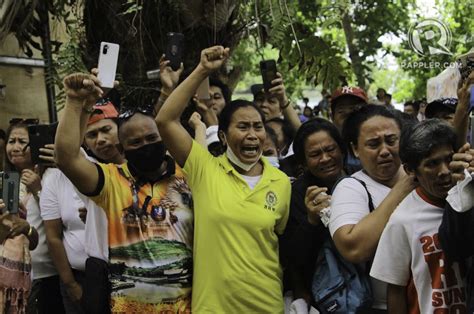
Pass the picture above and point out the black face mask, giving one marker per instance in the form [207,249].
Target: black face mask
[146,158]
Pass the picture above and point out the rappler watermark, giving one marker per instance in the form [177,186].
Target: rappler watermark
[430,37]
[428,65]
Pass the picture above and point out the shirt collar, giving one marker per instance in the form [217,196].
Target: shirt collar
[427,199]
[269,172]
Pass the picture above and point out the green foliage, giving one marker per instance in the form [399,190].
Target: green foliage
[308,38]
[68,59]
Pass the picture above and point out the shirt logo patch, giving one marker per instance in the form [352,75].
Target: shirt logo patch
[270,201]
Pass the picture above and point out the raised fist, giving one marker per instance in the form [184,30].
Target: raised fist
[82,87]
[213,58]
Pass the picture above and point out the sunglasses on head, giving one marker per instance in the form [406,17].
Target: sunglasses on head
[126,113]
[103,102]
[24,121]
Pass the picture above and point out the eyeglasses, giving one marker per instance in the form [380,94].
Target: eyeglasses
[23,121]
[126,113]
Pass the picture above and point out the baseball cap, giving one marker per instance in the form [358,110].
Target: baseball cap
[352,91]
[349,91]
[103,109]
[449,104]
[256,89]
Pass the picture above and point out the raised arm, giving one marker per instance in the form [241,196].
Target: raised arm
[289,113]
[82,91]
[461,115]
[175,137]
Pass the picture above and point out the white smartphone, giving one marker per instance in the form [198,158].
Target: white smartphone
[108,58]
[203,90]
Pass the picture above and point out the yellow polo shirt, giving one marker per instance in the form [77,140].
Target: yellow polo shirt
[236,264]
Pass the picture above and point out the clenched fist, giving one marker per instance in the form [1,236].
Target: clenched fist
[82,87]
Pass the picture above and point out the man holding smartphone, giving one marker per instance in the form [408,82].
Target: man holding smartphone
[274,103]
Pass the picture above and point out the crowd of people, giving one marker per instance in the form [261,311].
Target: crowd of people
[244,206]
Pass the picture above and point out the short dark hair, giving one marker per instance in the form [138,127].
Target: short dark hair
[286,128]
[420,140]
[351,127]
[3,135]
[313,126]
[214,81]
[123,121]
[271,135]
[414,103]
[231,108]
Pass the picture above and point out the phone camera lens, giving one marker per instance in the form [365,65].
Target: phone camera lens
[104,49]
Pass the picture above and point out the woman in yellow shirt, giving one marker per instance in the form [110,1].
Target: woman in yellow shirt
[241,202]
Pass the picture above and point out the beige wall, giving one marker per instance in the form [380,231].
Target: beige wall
[25,93]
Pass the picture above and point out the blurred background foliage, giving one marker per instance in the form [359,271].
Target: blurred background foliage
[317,43]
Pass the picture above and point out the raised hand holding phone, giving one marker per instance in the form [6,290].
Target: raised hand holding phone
[108,58]
[40,136]
[174,50]
[268,69]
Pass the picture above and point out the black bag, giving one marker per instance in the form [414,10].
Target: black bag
[97,288]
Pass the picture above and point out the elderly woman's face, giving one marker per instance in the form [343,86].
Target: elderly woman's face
[323,156]
[377,148]
[15,148]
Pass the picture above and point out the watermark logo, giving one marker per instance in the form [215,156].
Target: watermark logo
[430,37]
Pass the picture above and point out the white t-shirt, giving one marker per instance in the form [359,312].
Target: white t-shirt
[349,204]
[41,262]
[60,201]
[409,246]
[252,181]
[97,235]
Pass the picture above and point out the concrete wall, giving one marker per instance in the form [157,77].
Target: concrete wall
[25,92]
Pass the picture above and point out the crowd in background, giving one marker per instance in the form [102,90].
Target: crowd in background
[224,205]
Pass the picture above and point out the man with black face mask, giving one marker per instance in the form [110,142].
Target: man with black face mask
[147,202]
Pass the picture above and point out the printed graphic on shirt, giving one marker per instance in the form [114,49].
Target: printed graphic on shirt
[151,247]
[271,201]
[447,288]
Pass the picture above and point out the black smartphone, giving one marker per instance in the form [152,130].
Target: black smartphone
[10,190]
[174,50]
[268,69]
[40,135]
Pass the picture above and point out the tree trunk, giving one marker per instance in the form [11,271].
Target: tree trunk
[142,37]
[353,51]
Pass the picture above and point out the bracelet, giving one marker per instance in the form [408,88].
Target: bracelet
[30,232]
[286,105]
